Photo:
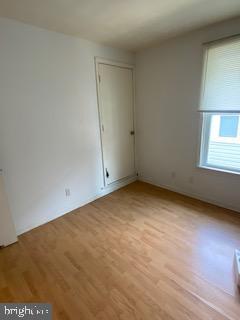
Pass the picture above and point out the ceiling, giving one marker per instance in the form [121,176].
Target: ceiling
[128,24]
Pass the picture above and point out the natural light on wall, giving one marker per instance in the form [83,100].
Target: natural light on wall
[220,106]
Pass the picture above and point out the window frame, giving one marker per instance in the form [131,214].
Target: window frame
[204,119]
[205,123]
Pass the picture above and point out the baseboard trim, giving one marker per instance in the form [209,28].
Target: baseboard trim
[104,191]
[111,188]
[189,194]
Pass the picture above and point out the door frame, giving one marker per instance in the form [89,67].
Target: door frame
[99,60]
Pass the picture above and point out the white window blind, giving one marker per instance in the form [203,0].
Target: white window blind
[221,80]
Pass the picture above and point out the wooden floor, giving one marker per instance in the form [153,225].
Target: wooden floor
[138,253]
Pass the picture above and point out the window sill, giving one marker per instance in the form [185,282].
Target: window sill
[218,170]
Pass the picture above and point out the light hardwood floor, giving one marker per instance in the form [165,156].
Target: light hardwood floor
[139,253]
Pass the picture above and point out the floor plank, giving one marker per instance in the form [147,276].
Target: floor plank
[141,252]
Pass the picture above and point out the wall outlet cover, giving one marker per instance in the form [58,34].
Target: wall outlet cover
[67,192]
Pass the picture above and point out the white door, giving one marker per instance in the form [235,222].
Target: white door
[116,99]
[7,229]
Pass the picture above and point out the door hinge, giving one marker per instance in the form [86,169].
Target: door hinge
[99,78]
[107,173]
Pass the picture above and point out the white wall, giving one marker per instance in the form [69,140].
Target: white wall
[49,133]
[168,89]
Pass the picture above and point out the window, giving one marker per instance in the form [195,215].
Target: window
[220,107]
[228,126]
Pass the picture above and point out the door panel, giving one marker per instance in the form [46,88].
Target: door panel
[117,124]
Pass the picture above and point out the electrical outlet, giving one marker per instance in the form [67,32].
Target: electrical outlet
[173,174]
[67,192]
[191,180]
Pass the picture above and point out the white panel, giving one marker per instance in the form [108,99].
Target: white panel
[221,87]
[7,229]
[116,99]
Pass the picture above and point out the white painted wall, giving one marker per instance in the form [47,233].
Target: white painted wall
[49,132]
[168,89]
